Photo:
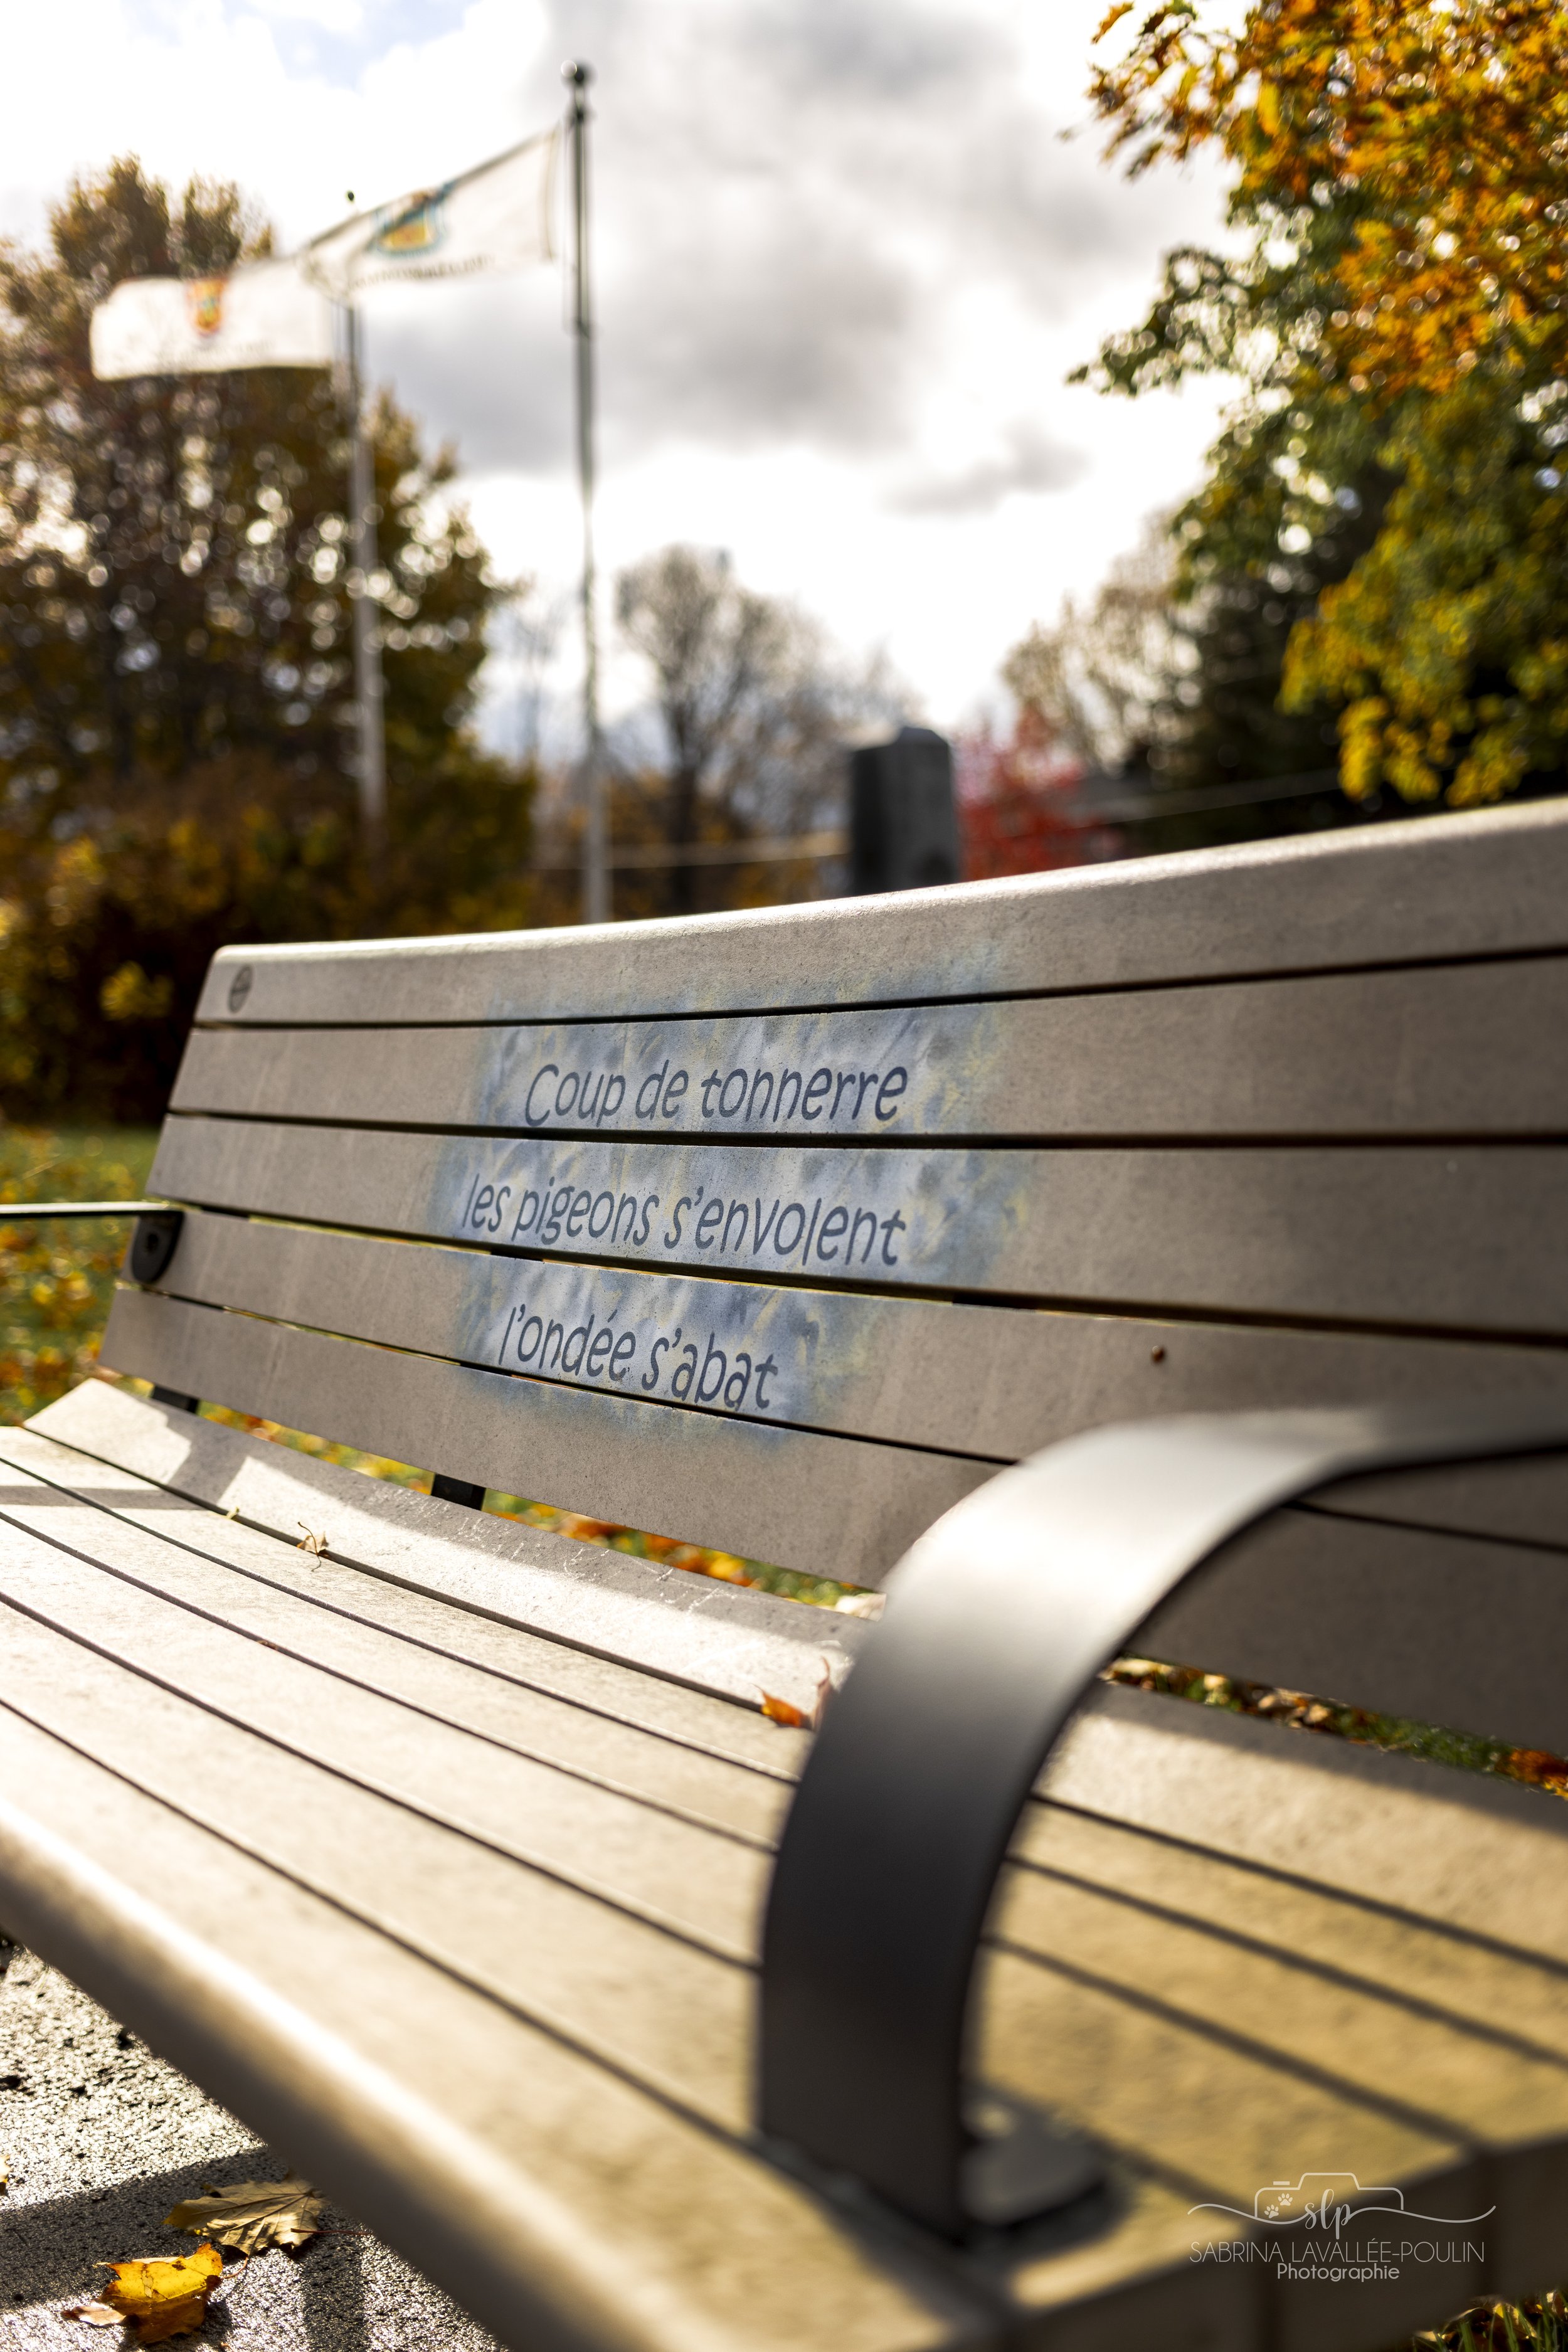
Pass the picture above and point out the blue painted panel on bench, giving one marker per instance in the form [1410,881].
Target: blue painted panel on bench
[885,1217]
[783,1356]
[918,1071]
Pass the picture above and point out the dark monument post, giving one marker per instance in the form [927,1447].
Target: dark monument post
[903,830]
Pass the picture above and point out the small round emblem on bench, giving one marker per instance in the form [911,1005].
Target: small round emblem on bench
[239,987]
[152,1243]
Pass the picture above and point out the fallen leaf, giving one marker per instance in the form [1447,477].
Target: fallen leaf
[163,2299]
[860,1604]
[314,1544]
[797,1718]
[97,2314]
[233,1513]
[253,2214]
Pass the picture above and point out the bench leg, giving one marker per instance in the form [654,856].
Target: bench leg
[457,1490]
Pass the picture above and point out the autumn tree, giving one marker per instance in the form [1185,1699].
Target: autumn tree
[1168,676]
[754,706]
[1102,679]
[176,721]
[1399,316]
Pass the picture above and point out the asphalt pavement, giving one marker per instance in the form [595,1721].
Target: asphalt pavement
[102,2139]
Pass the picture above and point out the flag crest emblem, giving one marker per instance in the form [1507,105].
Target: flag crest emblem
[203,304]
[417,226]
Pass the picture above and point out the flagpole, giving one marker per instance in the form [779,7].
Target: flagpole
[366,638]
[595,845]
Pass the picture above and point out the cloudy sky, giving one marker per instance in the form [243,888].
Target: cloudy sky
[843,262]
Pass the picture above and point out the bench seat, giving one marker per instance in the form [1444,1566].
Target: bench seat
[423,1857]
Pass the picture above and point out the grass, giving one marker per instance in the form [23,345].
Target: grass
[57,1278]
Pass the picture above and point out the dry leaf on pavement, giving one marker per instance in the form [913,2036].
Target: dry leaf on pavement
[97,2314]
[253,2214]
[163,2299]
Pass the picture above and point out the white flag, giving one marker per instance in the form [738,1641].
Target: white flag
[264,314]
[496,217]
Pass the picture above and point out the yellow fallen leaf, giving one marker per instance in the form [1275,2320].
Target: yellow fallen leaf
[253,2214]
[163,2299]
[779,1710]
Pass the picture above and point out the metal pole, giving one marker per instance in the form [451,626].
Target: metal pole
[367,641]
[596,840]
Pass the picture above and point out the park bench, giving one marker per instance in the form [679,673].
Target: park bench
[1222,1193]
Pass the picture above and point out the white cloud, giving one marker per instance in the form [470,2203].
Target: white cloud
[326,15]
[843,262]
[1029,462]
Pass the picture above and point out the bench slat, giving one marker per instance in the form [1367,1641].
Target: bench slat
[1134,2003]
[1427,890]
[836,1505]
[1467,1497]
[655,2006]
[1458,1855]
[1440,1628]
[559,2204]
[1162,1765]
[515,1796]
[679,2023]
[401,1647]
[1261,1058]
[1133,2071]
[1048,2030]
[457,1898]
[374,1999]
[228,1468]
[639,1642]
[1011,1381]
[1342,2024]
[1281,1232]
[1522,2001]
[1372,1615]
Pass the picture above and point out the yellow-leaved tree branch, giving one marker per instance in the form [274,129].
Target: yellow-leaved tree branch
[1399,323]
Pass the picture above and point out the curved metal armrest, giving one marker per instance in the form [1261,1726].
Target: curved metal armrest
[999,1620]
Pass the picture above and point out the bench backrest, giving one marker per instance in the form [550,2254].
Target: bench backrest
[779,1232]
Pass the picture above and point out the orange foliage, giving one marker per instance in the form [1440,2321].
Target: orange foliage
[1443,124]
[1016,809]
